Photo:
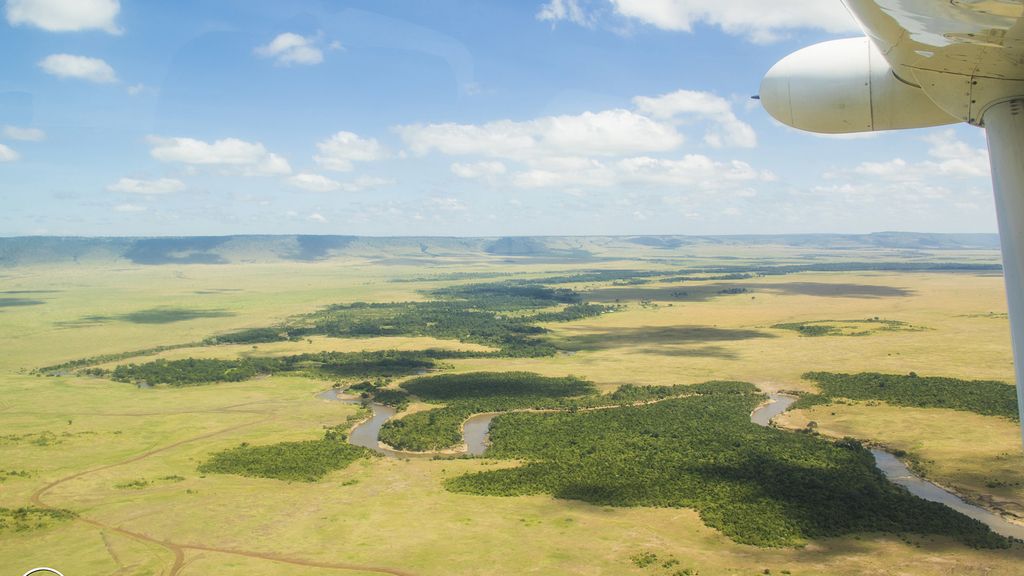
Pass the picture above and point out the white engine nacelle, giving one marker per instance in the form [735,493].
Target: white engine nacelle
[843,87]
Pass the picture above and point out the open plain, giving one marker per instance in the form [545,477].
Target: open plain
[122,459]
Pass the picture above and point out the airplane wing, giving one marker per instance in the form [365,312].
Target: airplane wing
[925,63]
[965,54]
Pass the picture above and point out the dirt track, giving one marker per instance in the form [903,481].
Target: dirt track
[178,549]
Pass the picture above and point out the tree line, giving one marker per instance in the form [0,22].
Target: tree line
[986,397]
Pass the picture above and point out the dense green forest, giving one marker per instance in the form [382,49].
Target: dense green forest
[449,387]
[464,395]
[495,314]
[759,486]
[504,315]
[986,397]
[306,461]
[191,371]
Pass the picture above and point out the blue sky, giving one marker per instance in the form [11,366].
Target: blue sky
[448,117]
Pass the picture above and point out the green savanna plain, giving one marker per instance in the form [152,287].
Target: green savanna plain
[125,461]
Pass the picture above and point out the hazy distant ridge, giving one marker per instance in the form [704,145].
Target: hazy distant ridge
[299,248]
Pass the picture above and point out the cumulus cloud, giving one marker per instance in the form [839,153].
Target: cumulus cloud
[317,217]
[952,179]
[250,158]
[950,157]
[79,67]
[607,133]
[600,150]
[65,15]
[748,18]
[728,129]
[955,157]
[289,48]
[147,187]
[341,151]
[24,134]
[7,154]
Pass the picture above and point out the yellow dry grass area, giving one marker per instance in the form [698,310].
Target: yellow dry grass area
[395,515]
[729,336]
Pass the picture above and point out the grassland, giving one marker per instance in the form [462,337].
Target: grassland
[396,515]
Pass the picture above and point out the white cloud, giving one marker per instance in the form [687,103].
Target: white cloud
[7,154]
[290,48]
[314,182]
[319,183]
[251,158]
[570,10]
[607,133]
[752,19]
[65,15]
[147,187]
[914,194]
[956,158]
[728,131]
[478,169]
[24,134]
[566,172]
[341,151]
[600,150]
[317,217]
[693,172]
[80,67]
[950,158]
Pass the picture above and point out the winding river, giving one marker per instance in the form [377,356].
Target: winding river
[475,431]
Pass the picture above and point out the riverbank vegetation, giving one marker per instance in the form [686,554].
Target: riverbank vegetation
[759,486]
[985,397]
[474,393]
[464,395]
[193,371]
